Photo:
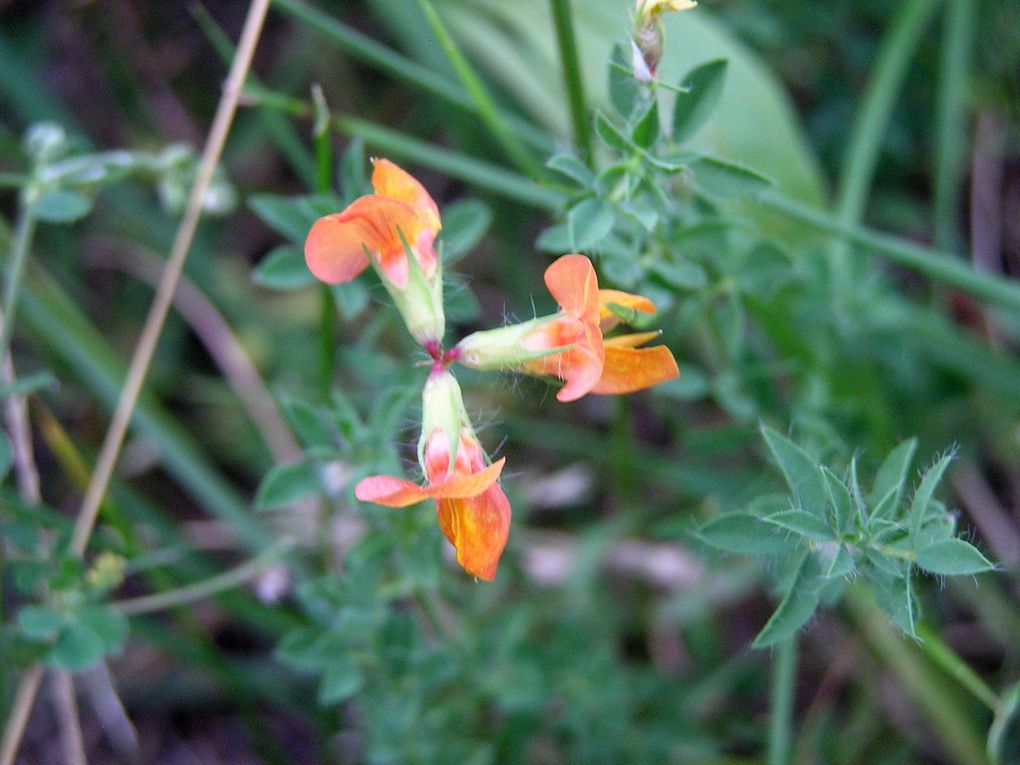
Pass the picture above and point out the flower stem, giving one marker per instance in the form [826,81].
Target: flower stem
[24,231]
[781,695]
[564,22]
[939,652]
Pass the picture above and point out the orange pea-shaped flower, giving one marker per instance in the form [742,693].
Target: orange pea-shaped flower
[473,511]
[394,230]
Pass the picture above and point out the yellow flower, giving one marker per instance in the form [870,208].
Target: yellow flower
[648,11]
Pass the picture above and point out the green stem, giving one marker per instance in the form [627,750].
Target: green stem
[23,233]
[941,654]
[368,50]
[483,102]
[935,264]
[564,22]
[950,120]
[781,696]
[871,122]
[227,580]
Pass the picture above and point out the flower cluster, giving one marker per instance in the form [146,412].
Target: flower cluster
[394,231]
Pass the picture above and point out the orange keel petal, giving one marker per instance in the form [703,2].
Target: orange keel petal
[478,528]
[630,369]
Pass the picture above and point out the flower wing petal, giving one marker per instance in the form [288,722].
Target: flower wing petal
[389,490]
[335,249]
[572,282]
[630,369]
[390,180]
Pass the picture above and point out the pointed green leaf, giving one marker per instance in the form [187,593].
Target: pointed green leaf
[353,179]
[342,680]
[923,495]
[588,223]
[623,88]
[860,508]
[111,626]
[681,273]
[464,225]
[800,471]
[62,206]
[78,647]
[571,167]
[796,607]
[704,86]
[840,501]
[719,178]
[744,533]
[841,565]
[646,130]
[284,268]
[893,474]
[292,217]
[805,524]
[902,605]
[611,135]
[952,557]
[285,484]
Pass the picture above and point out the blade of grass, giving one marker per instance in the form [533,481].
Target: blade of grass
[870,124]
[572,77]
[934,264]
[399,67]
[950,120]
[483,102]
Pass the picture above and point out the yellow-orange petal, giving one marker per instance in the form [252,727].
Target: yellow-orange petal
[389,490]
[630,369]
[478,528]
[391,180]
[572,282]
[633,340]
[463,486]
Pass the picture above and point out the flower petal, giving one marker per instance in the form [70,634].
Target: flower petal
[633,340]
[572,282]
[389,490]
[335,249]
[390,180]
[608,319]
[478,528]
[629,369]
[465,485]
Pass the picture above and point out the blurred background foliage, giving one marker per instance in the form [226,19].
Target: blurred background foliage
[619,628]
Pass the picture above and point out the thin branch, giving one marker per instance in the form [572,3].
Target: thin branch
[66,705]
[22,708]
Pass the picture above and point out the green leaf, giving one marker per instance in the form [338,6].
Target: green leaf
[555,239]
[892,474]
[902,605]
[704,85]
[839,500]
[39,622]
[841,565]
[307,423]
[62,206]
[611,135]
[351,298]
[646,130]
[572,167]
[353,180]
[952,557]
[796,607]
[283,268]
[78,647]
[285,484]
[719,178]
[743,533]
[292,217]
[680,273]
[588,223]
[464,225]
[805,524]
[623,88]
[799,470]
[342,680]
[111,626]
[922,497]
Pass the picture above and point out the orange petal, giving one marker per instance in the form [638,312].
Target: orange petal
[629,369]
[467,485]
[633,340]
[390,180]
[390,491]
[478,528]
[571,280]
[334,251]
[582,366]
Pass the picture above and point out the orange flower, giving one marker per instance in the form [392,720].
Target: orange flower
[473,511]
[338,246]
[588,361]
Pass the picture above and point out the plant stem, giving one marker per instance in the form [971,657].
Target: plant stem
[24,230]
[66,706]
[870,125]
[564,22]
[192,592]
[935,264]
[950,120]
[22,707]
[164,294]
[939,652]
[781,697]
[483,102]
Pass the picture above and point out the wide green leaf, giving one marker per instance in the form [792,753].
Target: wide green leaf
[952,557]
[285,484]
